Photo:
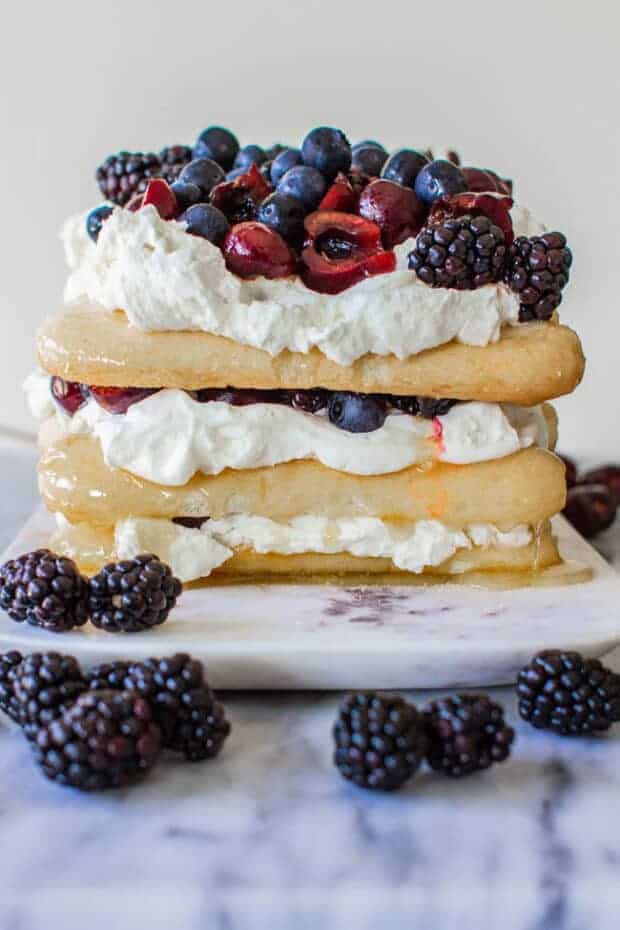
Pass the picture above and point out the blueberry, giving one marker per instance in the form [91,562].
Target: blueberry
[285,215]
[356,413]
[204,173]
[217,144]
[206,221]
[369,159]
[366,142]
[404,166]
[439,179]
[236,173]
[327,150]
[282,162]
[275,150]
[250,155]
[305,183]
[95,220]
[186,194]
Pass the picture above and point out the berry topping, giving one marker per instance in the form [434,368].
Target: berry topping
[495,206]
[204,173]
[439,179]
[379,739]
[159,195]
[309,401]
[119,399]
[9,663]
[285,215]
[240,199]
[404,166]
[107,739]
[566,693]
[133,595]
[427,407]
[461,253]
[341,250]
[479,180]
[218,144]
[537,269]
[95,220]
[609,475]
[45,685]
[69,395]
[341,196]
[44,589]
[305,183]
[590,508]
[241,397]
[173,159]
[252,249]
[394,209]
[250,155]
[205,220]
[110,676]
[369,157]
[186,193]
[122,176]
[357,413]
[466,734]
[327,150]
[282,162]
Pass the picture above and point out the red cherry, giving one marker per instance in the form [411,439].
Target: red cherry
[395,209]
[360,232]
[342,249]
[68,394]
[252,249]
[340,196]
[119,399]
[495,206]
[159,194]
[590,508]
[240,199]
[504,185]
[609,475]
[480,180]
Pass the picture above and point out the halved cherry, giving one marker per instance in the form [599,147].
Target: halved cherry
[395,209]
[495,206]
[342,249]
[331,276]
[479,180]
[340,196]
[159,194]
[119,399]
[334,224]
[68,394]
[240,198]
[252,249]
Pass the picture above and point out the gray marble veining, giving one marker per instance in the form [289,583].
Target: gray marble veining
[269,836]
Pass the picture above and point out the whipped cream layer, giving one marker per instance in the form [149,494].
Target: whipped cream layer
[166,279]
[168,437]
[413,546]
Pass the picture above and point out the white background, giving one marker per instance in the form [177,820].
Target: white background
[530,89]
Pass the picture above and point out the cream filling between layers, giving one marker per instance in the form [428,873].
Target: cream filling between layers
[195,553]
[165,279]
[168,437]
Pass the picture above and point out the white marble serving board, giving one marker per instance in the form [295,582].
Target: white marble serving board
[372,636]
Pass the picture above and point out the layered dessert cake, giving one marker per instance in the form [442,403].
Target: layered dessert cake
[316,362]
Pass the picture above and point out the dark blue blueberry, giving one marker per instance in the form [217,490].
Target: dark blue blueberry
[439,179]
[217,144]
[327,150]
[207,221]
[369,159]
[285,215]
[95,220]
[250,155]
[275,150]
[356,413]
[305,183]
[283,163]
[404,166]
[204,173]
[186,194]
[366,142]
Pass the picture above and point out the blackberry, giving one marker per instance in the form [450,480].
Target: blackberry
[9,663]
[427,407]
[107,739]
[45,685]
[379,740]
[133,595]
[122,176]
[564,692]
[44,589]
[110,676]
[173,159]
[537,269]
[461,252]
[192,721]
[466,734]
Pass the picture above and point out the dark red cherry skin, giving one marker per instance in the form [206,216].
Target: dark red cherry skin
[340,196]
[495,206]
[341,250]
[68,394]
[395,209]
[240,198]
[609,475]
[253,249]
[332,276]
[590,508]
[363,234]
[479,180]
[241,397]
[119,399]
[159,194]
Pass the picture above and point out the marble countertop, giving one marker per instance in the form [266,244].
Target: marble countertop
[270,836]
